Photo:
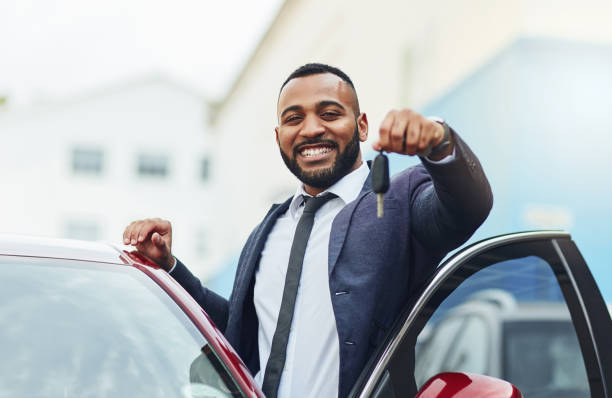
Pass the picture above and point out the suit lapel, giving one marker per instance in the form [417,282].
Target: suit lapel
[341,225]
[255,248]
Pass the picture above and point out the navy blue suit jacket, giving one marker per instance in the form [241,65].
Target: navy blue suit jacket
[377,264]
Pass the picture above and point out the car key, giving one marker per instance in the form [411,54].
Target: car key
[380,180]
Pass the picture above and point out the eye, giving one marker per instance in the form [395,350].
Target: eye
[292,119]
[330,115]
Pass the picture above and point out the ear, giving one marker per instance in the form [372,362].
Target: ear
[362,125]
[276,133]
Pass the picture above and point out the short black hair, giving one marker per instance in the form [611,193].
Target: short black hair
[317,68]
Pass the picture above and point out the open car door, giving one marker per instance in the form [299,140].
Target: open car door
[522,307]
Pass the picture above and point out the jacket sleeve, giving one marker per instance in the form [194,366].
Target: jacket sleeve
[447,210]
[215,306]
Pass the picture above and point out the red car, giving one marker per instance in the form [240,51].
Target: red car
[91,320]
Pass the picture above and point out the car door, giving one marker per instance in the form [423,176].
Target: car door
[522,307]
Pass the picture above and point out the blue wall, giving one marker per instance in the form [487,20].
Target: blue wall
[537,116]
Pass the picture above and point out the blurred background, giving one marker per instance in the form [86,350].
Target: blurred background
[119,110]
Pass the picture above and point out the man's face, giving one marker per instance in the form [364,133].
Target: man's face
[319,130]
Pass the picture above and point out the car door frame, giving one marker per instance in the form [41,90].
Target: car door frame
[585,303]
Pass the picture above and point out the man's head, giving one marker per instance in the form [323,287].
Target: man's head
[320,125]
[315,69]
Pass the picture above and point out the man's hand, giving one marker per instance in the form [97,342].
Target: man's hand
[153,239]
[408,133]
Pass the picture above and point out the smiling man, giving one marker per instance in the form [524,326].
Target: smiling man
[321,279]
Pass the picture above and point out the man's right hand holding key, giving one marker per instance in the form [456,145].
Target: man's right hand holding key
[152,238]
[408,133]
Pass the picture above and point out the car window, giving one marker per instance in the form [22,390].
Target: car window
[532,314]
[434,348]
[551,351]
[532,342]
[74,329]
[466,356]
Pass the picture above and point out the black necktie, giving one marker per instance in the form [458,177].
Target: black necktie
[278,351]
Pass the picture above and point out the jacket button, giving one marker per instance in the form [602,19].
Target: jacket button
[340,293]
[348,342]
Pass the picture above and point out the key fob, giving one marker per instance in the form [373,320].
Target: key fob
[380,173]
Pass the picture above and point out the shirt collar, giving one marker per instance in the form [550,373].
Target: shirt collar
[347,189]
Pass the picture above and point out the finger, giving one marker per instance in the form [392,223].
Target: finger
[155,225]
[130,233]
[413,135]
[134,233]
[438,133]
[145,230]
[398,134]
[163,227]
[428,135]
[126,233]
[385,130]
[148,249]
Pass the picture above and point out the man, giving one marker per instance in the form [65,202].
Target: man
[355,271]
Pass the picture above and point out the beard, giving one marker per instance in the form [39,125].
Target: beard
[325,178]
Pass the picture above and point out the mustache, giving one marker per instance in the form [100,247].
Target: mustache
[313,141]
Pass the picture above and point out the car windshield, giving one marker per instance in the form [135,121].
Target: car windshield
[76,329]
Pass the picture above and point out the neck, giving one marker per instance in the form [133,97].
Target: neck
[314,191]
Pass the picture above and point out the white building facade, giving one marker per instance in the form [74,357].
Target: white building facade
[86,167]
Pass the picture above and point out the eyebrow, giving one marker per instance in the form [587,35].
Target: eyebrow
[289,109]
[320,105]
[323,104]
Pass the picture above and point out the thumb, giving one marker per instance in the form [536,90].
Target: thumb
[158,241]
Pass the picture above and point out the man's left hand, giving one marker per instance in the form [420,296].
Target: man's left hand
[409,133]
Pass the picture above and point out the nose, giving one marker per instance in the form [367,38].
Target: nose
[312,127]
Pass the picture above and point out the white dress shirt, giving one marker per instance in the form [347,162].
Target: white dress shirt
[312,363]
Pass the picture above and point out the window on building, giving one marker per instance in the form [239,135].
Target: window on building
[205,169]
[153,165]
[87,161]
[83,230]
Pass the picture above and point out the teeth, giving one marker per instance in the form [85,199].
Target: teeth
[315,151]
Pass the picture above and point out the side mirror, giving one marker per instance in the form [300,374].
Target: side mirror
[467,385]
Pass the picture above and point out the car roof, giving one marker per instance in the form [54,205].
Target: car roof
[29,246]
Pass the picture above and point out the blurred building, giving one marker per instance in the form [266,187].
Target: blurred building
[95,163]
[525,82]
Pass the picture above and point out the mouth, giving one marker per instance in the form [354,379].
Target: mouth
[315,152]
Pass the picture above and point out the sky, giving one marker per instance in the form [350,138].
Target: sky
[54,49]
